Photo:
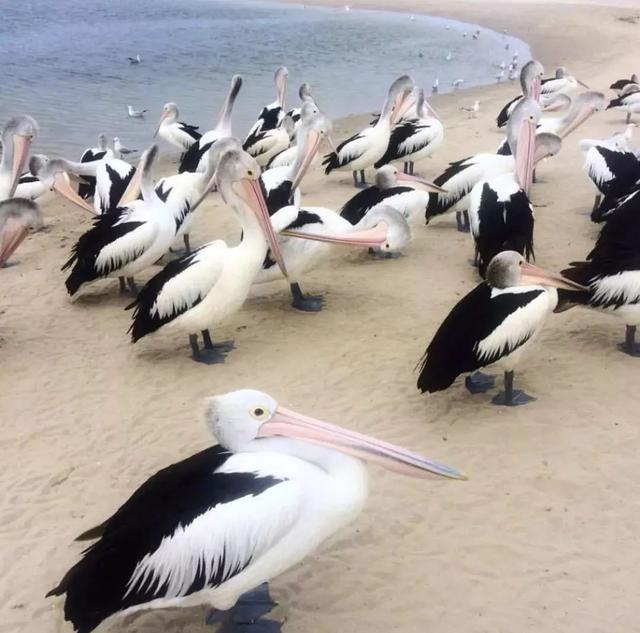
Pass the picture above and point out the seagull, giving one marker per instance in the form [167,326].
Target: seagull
[436,85]
[136,114]
[457,83]
[500,76]
[120,149]
[476,35]
[135,60]
[449,57]
[472,110]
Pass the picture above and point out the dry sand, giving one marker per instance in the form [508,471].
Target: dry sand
[543,538]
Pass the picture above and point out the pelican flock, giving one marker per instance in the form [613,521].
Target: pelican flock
[218,526]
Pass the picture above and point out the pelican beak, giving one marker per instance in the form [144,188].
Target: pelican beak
[313,144]
[132,191]
[282,88]
[369,238]
[162,118]
[426,184]
[431,111]
[62,185]
[581,117]
[525,154]
[21,146]
[402,106]
[532,275]
[286,423]
[536,89]
[251,193]
[584,85]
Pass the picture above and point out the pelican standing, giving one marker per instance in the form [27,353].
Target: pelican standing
[366,148]
[266,144]
[18,134]
[629,101]
[272,115]
[530,82]
[620,84]
[494,324]
[195,158]
[415,138]
[87,187]
[217,525]
[178,134]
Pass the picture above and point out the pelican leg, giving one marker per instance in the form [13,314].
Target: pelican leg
[247,614]
[630,346]
[479,382]
[223,346]
[123,285]
[187,244]
[628,118]
[378,254]
[511,397]
[362,179]
[405,167]
[355,178]
[596,203]
[411,167]
[133,288]
[462,220]
[305,303]
[206,356]
[534,179]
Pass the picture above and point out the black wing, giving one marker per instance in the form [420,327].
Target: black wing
[277,197]
[192,157]
[503,116]
[453,350]
[98,585]
[118,187]
[625,168]
[332,161]
[191,130]
[356,208]
[253,138]
[399,135]
[437,203]
[106,229]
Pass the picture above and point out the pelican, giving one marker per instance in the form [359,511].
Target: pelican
[17,216]
[416,138]
[621,84]
[530,82]
[461,176]
[125,242]
[494,324]
[178,134]
[629,101]
[272,115]
[367,147]
[120,149]
[198,291]
[266,144]
[305,97]
[212,528]
[87,188]
[392,189]
[195,158]
[562,82]
[612,271]
[18,134]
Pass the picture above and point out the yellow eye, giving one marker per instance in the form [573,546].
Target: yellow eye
[250,173]
[260,413]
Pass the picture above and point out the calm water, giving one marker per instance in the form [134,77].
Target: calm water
[65,61]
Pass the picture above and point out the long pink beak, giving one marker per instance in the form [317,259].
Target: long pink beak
[525,155]
[403,105]
[431,111]
[533,275]
[536,89]
[251,193]
[426,184]
[132,192]
[288,423]
[62,185]
[12,236]
[583,115]
[162,118]
[21,146]
[369,238]
[313,143]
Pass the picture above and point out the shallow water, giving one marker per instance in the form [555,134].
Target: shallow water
[65,62]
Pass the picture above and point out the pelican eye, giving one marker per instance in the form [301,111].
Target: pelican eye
[250,173]
[260,413]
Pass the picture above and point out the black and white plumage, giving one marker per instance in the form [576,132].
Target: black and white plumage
[200,290]
[177,133]
[17,216]
[87,187]
[612,270]
[364,149]
[415,138]
[530,82]
[494,324]
[196,157]
[272,115]
[295,113]
[124,242]
[620,84]
[629,101]
[563,82]
[264,145]
[220,523]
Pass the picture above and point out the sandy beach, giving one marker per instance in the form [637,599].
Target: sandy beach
[543,536]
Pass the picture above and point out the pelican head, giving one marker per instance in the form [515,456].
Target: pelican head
[582,107]
[531,79]
[305,92]
[423,107]
[249,421]
[546,145]
[521,132]
[169,112]
[389,176]
[399,99]
[315,127]
[280,78]
[53,173]
[509,269]
[102,142]
[18,134]
[17,215]
[555,102]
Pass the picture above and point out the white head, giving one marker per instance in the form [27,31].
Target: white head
[18,134]
[169,113]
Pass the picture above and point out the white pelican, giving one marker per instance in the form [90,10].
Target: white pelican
[195,158]
[272,115]
[612,271]
[413,139]
[266,144]
[621,84]
[87,188]
[17,135]
[198,291]
[120,149]
[629,101]
[530,81]
[562,82]
[494,324]
[17,216]
[125,242]
[367,147]
[305,97]
[178,134]
[135,114]
[219,524]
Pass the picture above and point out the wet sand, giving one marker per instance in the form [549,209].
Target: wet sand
[543,537]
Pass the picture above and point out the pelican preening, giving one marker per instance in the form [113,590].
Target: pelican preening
[620,84]
[530,82]
[217,525]
[364,149]
[628,100]
[195,158]
[494,324]
[272,115]
[18,134]
[178,134]
[17,216]
[87,188]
